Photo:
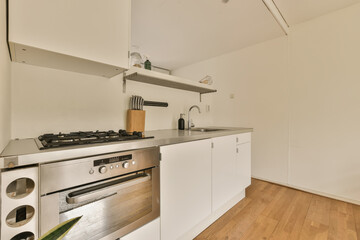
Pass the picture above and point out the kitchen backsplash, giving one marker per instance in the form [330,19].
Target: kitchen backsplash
[46,100]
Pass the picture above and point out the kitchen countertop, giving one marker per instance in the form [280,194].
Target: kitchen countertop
[25,151]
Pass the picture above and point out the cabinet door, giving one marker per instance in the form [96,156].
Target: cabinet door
[243,165]
[225,183]
[185,183]
[150,231]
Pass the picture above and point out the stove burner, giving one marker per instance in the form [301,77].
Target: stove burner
[50,140]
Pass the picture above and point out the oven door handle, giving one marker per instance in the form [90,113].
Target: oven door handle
[91,194]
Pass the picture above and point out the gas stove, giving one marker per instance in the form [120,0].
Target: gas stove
[51,140]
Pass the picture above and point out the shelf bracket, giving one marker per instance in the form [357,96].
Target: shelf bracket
[200,96]
[124,84]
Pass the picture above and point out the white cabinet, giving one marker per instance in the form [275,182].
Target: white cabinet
[231,167]
[185,183]
[150,231]
[84,36]
[225,185]
[243,160]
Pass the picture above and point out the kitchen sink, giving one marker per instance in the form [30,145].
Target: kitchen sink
[207,129]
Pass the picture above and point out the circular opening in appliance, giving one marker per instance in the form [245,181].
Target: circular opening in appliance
[24,236]
[20,188]
[20,216]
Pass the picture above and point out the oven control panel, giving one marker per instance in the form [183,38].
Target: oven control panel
[113,165]
[94,168]
[113,160]
[109,164]
[104,168]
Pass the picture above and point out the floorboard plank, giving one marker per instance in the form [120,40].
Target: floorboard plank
[280,204]
[242,221]
[356,210]
[290,225]
[271,211]
[221,223]
[316,225]
[262,228]
[342,221]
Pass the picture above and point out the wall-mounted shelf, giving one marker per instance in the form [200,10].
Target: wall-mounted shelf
[51,34]
[50,59]
[160,79]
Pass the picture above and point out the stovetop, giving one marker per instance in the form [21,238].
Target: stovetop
[51,140]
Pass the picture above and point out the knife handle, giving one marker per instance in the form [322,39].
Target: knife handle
[156,104]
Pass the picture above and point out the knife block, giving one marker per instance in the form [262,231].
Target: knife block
[135,121]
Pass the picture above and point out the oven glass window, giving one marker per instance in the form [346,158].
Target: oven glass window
[108,211]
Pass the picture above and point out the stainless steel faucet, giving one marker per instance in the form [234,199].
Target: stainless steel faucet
[190,124]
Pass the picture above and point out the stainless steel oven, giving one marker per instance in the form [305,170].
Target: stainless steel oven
[114,193]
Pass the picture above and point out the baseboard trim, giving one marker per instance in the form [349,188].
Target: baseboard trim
[213,217]
[309,191]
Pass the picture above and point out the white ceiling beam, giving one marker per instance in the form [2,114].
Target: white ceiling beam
[274,10]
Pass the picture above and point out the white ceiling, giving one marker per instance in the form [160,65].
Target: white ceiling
[297,11]
[177,33]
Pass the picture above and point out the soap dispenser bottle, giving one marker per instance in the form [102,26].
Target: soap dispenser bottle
[181,122]
[147,63]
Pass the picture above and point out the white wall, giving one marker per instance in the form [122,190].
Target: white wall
[47,100]
[325,99]
[257,77]
[302,96]
[4,81]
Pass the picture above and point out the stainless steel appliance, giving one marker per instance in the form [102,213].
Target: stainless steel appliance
[51,140]
[114,193]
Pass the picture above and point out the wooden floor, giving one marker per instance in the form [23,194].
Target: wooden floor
[270,211]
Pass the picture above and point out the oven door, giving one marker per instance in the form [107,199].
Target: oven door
[109,209]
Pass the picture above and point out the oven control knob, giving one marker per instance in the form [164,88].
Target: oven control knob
[125,165]
[103,169]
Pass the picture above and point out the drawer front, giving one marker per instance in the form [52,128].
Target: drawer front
[243,138]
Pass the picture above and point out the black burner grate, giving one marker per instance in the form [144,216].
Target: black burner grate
[51,140]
